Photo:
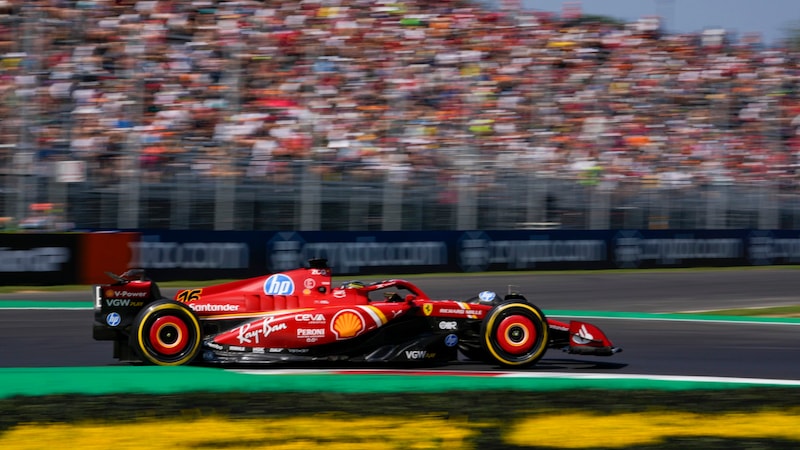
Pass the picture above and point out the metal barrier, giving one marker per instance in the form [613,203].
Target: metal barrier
[306,198]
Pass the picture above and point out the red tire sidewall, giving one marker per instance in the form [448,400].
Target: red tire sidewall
[166,324]
[512,324]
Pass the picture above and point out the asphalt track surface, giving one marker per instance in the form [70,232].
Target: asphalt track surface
[53,338]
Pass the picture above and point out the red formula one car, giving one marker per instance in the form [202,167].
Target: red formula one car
[299,316]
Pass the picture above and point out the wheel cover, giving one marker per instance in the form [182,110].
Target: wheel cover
[169,335]
[516,334]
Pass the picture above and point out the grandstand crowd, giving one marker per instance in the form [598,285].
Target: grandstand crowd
[389,88]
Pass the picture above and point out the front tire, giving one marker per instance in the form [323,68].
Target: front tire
[515,334]
[166,333]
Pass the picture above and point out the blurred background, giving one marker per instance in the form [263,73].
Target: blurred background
[378,115]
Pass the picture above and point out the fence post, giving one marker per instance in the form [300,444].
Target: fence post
[767,207]
[598,208]
[466,207]
[181,200]
[128,193]
[716,204]
[392,205]
[224,201]
[310,190]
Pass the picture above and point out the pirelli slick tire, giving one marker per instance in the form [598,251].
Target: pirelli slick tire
[515,334]
[166,333]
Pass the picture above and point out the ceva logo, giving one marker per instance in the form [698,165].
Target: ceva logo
[279,284]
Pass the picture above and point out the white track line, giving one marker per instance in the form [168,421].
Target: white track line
[554,375]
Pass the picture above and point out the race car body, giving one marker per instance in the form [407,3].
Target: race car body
[299,316]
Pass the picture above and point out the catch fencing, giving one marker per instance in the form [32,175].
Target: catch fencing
[309,196]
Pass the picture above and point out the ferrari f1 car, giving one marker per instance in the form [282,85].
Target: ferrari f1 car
[299,316]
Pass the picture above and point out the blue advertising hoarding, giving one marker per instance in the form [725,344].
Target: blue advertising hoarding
[168,254]
[55,258]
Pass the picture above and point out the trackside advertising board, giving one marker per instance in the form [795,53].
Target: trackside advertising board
[39,259]
[82,258]
[227,254]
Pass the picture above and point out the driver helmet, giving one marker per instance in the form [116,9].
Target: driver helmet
[355,284]
[487,296]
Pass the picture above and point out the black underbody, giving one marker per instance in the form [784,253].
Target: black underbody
[407,339]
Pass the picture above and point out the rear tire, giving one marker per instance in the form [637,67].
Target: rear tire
[515,334]
[166,333]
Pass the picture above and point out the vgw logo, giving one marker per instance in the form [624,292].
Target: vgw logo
[122,302]
[279,284]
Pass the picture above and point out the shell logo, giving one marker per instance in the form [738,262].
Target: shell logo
[347,323]
[109,292]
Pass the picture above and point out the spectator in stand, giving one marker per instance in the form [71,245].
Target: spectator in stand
[363,88]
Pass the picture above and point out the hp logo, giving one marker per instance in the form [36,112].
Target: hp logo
[113,319]
[279,284]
